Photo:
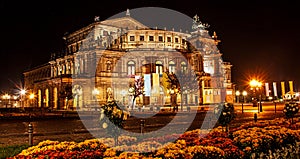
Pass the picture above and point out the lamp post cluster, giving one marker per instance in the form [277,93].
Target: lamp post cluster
[6,98]
[14,100]
[30,96]
[256,86]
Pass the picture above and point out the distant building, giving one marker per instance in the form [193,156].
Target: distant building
[102,60]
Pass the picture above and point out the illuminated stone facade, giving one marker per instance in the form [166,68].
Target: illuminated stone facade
[102,60]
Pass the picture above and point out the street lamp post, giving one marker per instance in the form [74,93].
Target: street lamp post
[15,101]
[244,95]
[22,93]
[256,85]
[237,94]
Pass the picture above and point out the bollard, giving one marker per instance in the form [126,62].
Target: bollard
[255,117]
[275,107]
[30,134]
[242,107]
[142,125]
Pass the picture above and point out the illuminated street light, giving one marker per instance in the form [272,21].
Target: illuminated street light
[244,95]
[237,94]
[256,85]
[22,93]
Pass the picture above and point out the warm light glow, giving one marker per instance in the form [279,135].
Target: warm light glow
[6,96]
[244,93]
[23,92]
[31,96]
[96,91]
[229,92]
[237,93]
[255,83]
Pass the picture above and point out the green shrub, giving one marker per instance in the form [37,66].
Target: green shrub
[10,151]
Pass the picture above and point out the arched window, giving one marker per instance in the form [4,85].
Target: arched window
[172,66]
[55,97]
[63,68]
[39,98]
[183,67]
[54,71]
[131,68]
[159,67]
[67,68]
[46,99]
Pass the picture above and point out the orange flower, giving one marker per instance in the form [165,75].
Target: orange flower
[248,148]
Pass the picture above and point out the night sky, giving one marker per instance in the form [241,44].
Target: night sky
[258,38]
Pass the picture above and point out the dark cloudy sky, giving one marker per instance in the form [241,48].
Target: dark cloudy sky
[257,37]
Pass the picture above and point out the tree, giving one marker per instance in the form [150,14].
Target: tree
[137,89]
[290,109]
[225,114]
[165,81]
[112,117]
[171,82]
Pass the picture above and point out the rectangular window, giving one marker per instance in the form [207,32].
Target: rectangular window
[131,38]
[176,40]
[160,38]
[151,38]
[168,39]
[142,38]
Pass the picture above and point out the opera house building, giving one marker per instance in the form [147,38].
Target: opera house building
[121,59]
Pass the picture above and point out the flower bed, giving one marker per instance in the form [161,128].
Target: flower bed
[243,142]
[255,140]
[275,122]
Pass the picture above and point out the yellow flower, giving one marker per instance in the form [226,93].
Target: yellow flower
[94,145]
[110,152]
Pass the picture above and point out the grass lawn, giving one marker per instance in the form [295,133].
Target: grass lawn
[10,151]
